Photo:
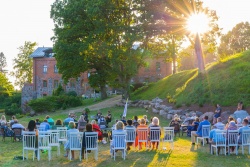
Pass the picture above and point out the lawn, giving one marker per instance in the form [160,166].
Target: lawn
[183,154]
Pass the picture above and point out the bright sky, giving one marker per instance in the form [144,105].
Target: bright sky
[29,20]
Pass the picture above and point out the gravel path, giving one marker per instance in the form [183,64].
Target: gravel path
[111,102]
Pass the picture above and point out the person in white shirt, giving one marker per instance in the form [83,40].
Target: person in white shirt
[219,124]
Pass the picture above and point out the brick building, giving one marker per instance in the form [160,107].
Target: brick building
[46,77]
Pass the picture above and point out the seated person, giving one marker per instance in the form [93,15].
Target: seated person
[108,117]
[199,130]
[96,128]
[229,120]
[146,119]
[244,127]
[193,127]
[156,123]
[37,121]
[13,120]
[135,121]
[213,139]
[67,144]
[89,128]
[124,121]
[45,124]
[142,125]
[81,124]
[85,114]
[219,124]
[59,122]
[102,122]
[98,115]
[231,126]
[17,125]
[50,120]
[176,126]
[129,125]
[67,120]
[119,128]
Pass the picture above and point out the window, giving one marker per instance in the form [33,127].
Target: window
[88,74]
[72,84]
[45,69]
[158,66]
[55,69]
[56,83]
[44,83]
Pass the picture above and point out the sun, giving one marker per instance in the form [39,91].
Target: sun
[198,23]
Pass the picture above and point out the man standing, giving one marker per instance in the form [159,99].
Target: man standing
[198,133]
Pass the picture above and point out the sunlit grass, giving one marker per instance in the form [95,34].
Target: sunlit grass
[225,82]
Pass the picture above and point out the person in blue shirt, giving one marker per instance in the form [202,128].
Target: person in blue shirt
[67,120]
[198,133]
[244,127]
[45,125]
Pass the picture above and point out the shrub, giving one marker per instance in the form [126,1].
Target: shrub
[72,93]
[13,109]
[42,104]
[87,110]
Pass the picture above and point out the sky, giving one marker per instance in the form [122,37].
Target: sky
[29,20]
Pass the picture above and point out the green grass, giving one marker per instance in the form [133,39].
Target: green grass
[225,82]
[184,154]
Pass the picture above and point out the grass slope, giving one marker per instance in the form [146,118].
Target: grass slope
[225,82]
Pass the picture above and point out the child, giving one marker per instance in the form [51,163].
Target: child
[176,126]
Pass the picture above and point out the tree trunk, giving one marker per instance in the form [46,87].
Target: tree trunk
[199,54]
[174,64]
[104,92]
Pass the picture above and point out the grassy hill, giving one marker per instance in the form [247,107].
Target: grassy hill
[226,82]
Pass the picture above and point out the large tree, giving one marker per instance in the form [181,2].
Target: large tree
[236,40]
[3,62]
[23,64]
[99,36]
[6,88]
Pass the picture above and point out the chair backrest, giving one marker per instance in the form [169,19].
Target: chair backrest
[168,134]
[221,127]
[62,132]
[155,134]
[131,134]
[43,139]
[119,140]
[54,137]
[17,132]
[29,140]
[91,140]
[75,140]
[103,125]
[245,139]
[142,134]
[54,127]
[220,137]
[205,131]
[239,126]
[232,137]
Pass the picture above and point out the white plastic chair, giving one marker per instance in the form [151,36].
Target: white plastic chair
[54,140]
[205,133]
[62,134]
[29,143]
[232,140]
[220,141]
[168,137]
[131,135]
[75,143]
[245,140]
[142,134]
[91,141]
[43,143]
[118,143]
[155,134]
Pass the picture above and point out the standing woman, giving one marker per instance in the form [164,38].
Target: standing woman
[217,113]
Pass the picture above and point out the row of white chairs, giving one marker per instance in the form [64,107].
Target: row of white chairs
[48,139]
[226,138]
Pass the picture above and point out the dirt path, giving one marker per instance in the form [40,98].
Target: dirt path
[111,102]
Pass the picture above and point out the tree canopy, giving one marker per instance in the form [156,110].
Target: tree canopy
[23,64]
[236,40]
[6,88]
[3,62]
